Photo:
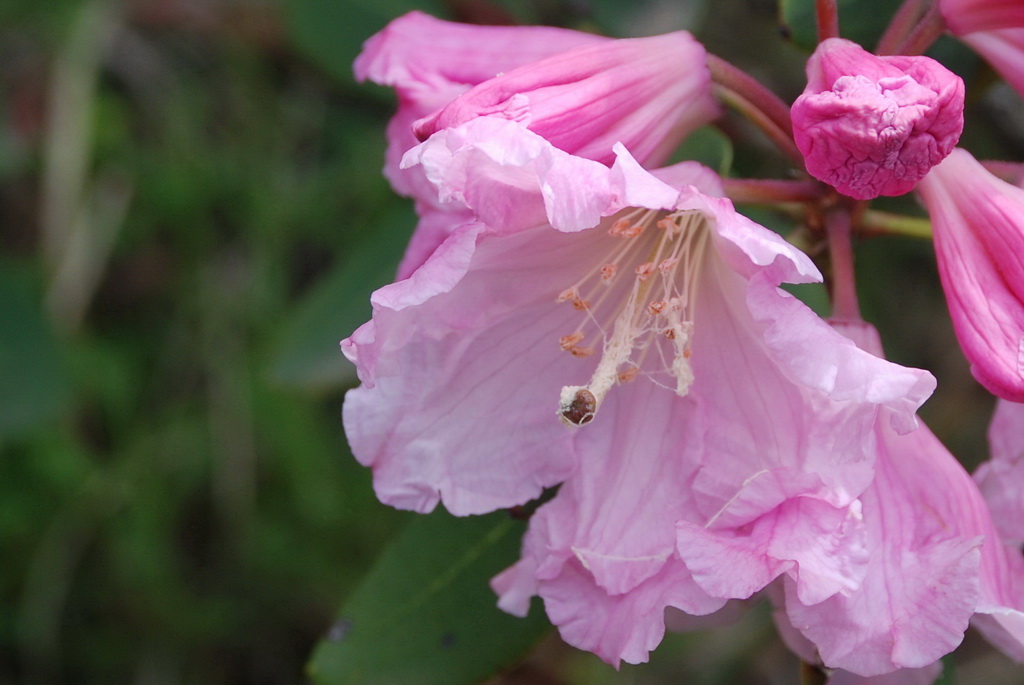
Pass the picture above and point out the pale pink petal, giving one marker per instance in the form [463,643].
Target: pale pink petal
[806,650]
[602,553]
[476,345]
[512,178]
[934,561]
[1001,478]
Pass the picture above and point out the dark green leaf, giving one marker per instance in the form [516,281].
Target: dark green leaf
[33,383]
[425,613]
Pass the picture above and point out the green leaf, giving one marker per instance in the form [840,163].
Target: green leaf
[33,382]
[709,146]
[862,21]
[425,613]
[308,356]
[331,32]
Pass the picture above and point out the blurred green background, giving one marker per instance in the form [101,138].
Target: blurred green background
[191,218]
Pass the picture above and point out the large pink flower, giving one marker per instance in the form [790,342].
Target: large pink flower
[581,92]
[871,125]
[978,224]
[621,331]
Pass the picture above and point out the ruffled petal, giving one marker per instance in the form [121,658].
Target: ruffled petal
[934,561]
[461,375]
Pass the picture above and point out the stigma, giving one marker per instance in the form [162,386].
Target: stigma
[636,308]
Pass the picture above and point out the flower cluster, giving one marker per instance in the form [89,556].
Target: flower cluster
[573,312]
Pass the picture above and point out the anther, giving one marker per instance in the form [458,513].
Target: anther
[577,408]
[567,342]
[644,271]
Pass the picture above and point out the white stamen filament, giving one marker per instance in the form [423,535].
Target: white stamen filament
[647,313]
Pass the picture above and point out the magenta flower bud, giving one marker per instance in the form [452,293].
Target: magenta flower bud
[978,222]
[870,125]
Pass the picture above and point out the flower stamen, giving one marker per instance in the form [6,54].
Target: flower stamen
[658,306]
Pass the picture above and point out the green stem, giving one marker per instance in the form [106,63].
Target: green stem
[874,222]
[756,191]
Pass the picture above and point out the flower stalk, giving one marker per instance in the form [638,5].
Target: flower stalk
[828,19]
[758,191]
[845,306]
[901,25]
[762,107]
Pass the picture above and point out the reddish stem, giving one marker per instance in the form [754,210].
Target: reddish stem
[927,31]
[763,107]
[900,26]
[756,191]
[828,19]
[844,282]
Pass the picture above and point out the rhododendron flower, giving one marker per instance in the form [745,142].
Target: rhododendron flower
[933,559]
[978,223]
[620,332]
[1001,478]
[582,92]
[871,125]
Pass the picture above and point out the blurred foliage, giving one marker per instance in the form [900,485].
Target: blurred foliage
[182,247]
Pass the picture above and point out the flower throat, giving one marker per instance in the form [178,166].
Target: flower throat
[662,254]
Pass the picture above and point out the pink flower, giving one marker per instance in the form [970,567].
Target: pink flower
[620,332]
[873,126]
[978,225]
[932,561]
[646,93]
